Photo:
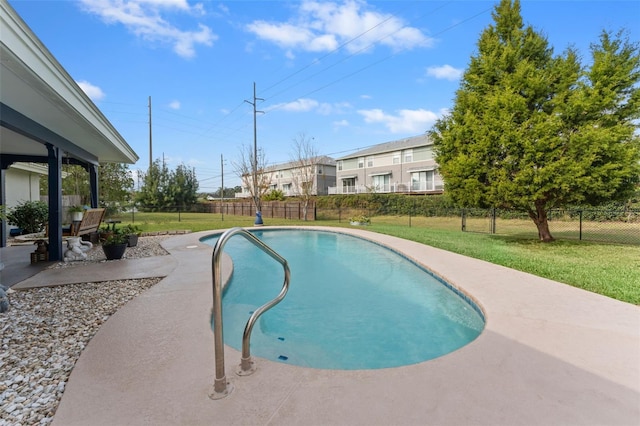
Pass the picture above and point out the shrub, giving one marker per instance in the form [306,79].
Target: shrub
[30,216]
[274,195]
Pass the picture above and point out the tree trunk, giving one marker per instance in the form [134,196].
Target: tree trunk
[539,217]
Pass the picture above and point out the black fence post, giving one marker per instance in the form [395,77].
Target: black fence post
[580,213]
[493,220]
[178,213]
[464,220]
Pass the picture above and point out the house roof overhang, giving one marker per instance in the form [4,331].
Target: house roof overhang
[40,103]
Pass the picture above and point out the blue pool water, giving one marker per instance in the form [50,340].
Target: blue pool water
[352,304]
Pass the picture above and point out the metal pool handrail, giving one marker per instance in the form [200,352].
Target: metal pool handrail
[221,387]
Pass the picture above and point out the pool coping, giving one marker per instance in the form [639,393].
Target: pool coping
[550,354]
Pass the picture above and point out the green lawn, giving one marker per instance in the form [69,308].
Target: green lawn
[608,269]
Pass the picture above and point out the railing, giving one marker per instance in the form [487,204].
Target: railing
[402,188]
[221,387]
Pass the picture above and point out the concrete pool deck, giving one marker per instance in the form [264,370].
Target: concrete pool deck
[550,354]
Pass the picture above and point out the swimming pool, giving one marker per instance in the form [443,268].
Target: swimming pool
[352,304]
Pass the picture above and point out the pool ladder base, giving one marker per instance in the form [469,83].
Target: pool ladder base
[247,367]
[221,389]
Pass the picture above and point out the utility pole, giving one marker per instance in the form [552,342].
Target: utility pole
[150,137]
[256,192]
[222,189]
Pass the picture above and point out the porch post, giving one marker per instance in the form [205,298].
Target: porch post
[3,202]
[54,160]
[93,183]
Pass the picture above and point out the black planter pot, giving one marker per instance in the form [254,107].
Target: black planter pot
[133,240]
[114,251]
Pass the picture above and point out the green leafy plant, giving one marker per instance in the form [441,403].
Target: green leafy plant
[76,209]
[274,195]
[361,219]
[30,216]
[114,237]
[131,229]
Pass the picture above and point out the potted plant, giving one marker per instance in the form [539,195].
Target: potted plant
[115,244]
[133,232]
[76,213]
[360,220]
[30,216]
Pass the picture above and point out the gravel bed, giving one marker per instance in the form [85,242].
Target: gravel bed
[146,247]
[46,329]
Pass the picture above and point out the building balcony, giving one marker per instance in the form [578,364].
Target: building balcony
[400,188]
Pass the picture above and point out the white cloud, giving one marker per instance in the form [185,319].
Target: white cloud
[310,105]
[174,104]
[144,18]
[179,4]
[321,26]
[446,72]
[94,92]
[223,8]
[299,105]
[405,121]
[340,123]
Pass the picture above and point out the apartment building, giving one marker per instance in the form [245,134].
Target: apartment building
[403,166]
[292,177]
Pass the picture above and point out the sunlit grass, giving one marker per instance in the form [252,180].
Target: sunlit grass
[608,269]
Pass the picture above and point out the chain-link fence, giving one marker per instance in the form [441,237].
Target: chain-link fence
[615,226]
[601,225]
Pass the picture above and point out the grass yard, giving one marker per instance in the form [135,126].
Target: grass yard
[612,270]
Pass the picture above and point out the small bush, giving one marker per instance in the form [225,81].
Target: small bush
[274,195]
[30,216]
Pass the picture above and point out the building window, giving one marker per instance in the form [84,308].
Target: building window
[361,163]
[396,158]
[381,183]
[422,181]
[349,186]
[408,156]
[369,161]
[340,165]
[319,169]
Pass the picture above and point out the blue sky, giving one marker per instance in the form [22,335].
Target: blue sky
[349,74]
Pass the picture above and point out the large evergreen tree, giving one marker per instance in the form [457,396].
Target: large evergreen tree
[183,189]
[532,131]
[153,194]
[163,189]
